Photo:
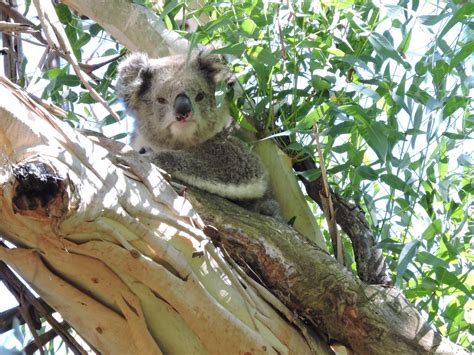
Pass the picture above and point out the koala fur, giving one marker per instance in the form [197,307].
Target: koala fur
[178,123]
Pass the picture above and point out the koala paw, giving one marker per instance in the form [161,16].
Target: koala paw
[269,207]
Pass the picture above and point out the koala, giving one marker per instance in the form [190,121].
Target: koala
[179,124]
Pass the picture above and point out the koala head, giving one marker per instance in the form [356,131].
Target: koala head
[173,99]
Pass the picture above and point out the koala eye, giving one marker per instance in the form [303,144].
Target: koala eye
[199,97]
[162,100]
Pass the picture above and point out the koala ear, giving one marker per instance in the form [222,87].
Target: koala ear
[212,66]
[134,77]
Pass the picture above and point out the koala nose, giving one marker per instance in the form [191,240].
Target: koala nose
[183,107]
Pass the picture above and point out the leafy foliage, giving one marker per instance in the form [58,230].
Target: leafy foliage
[389,87]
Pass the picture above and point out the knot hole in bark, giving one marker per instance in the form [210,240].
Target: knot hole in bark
[37,187]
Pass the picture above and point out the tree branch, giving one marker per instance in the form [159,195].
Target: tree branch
[370,262]
[368,319]
[18,17]
[15,27]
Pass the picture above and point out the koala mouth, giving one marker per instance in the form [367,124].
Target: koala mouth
[184,117]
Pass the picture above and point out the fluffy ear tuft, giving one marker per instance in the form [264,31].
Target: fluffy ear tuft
[134,77]
[212,66]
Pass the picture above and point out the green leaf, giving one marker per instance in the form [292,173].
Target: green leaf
[427,258]
[452,251]
[320,84]
[376,138]
[421,68]
[414,132]
[72,117]
[72,96]
[335,51]
[83,39]
[268,58]
[463,53]
[406,257]
[338,168]
[383,47]
[433,229]
[249,26]
[464,12]
[431,20]
[109,52]
[310,175]
[94,29]
[170,7]
[338,4]
[68,80]
[236,49]
[119,136]
[366,172]
[342,148]
[454,103]
[355,111]
[439,72]
[64,14]
[405,44]
[53,73]
[340,128]
[217,24]
[453,135]
[448,278]
[308,121]
[86,98]
[465,160]
[394,181]
[417,292]
[220,93]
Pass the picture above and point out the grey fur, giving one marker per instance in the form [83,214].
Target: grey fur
[193,146]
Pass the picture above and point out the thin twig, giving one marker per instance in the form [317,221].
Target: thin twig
[43,339]
[7,317]
[16,27]
[27,317]
[57,39]
[18,17]
[328,208]
[89,68]
[280,34]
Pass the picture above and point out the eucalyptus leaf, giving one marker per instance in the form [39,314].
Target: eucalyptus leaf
[376,138]
[367,172]
[406,257]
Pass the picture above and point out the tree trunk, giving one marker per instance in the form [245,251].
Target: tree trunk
[104,240]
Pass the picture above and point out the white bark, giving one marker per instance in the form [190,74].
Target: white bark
[133,25]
